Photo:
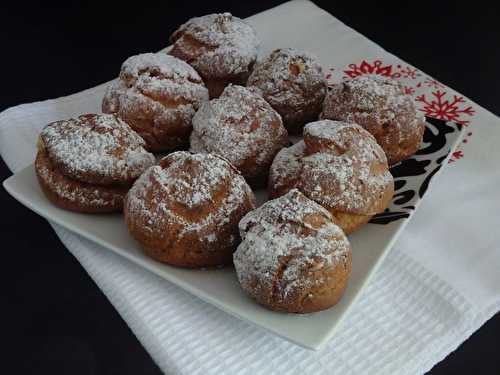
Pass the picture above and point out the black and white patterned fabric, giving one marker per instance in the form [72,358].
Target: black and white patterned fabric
[412,176]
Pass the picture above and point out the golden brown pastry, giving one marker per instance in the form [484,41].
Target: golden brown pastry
[157,95]
[340,166]
[88,164]
[222,48]
[380,105]
[243,128]
[293,257]
[293,83]
[185,211]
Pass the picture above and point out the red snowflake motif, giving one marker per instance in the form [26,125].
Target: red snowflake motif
[429,82]
[409,72]
[409,90]
[376,67]
[441,108]
[456,155]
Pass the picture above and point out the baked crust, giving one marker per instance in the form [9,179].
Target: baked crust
[292,82]
[380,105]
[243,128]
[74,195]
[97,149]
[157,95]
[339,166]
[222,48]
[185,211]
[87,164]
[293,257]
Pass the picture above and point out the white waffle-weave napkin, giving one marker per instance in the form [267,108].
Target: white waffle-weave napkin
[439,284]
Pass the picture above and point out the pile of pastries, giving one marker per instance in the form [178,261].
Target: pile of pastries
[224,119]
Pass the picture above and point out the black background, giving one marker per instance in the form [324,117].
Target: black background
[56,320]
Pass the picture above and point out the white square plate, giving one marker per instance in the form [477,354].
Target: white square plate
[220,287]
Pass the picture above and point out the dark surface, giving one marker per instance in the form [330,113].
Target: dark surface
[56,319]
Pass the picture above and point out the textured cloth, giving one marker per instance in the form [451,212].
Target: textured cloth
[437,286]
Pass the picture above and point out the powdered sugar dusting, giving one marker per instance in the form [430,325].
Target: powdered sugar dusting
[339,165]
[376,95]
[287,166]
[291,227]
[290,79]
[157,94]
[217,44]
[159,64]
[343,137]
[96,147]
[158,75]
[78,193]
[380,105]
[185,193]
[242,127]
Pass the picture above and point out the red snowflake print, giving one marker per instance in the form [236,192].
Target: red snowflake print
[408,72]
[429,82]
[456,155]
[376,67]
[409,90]
[444,109]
